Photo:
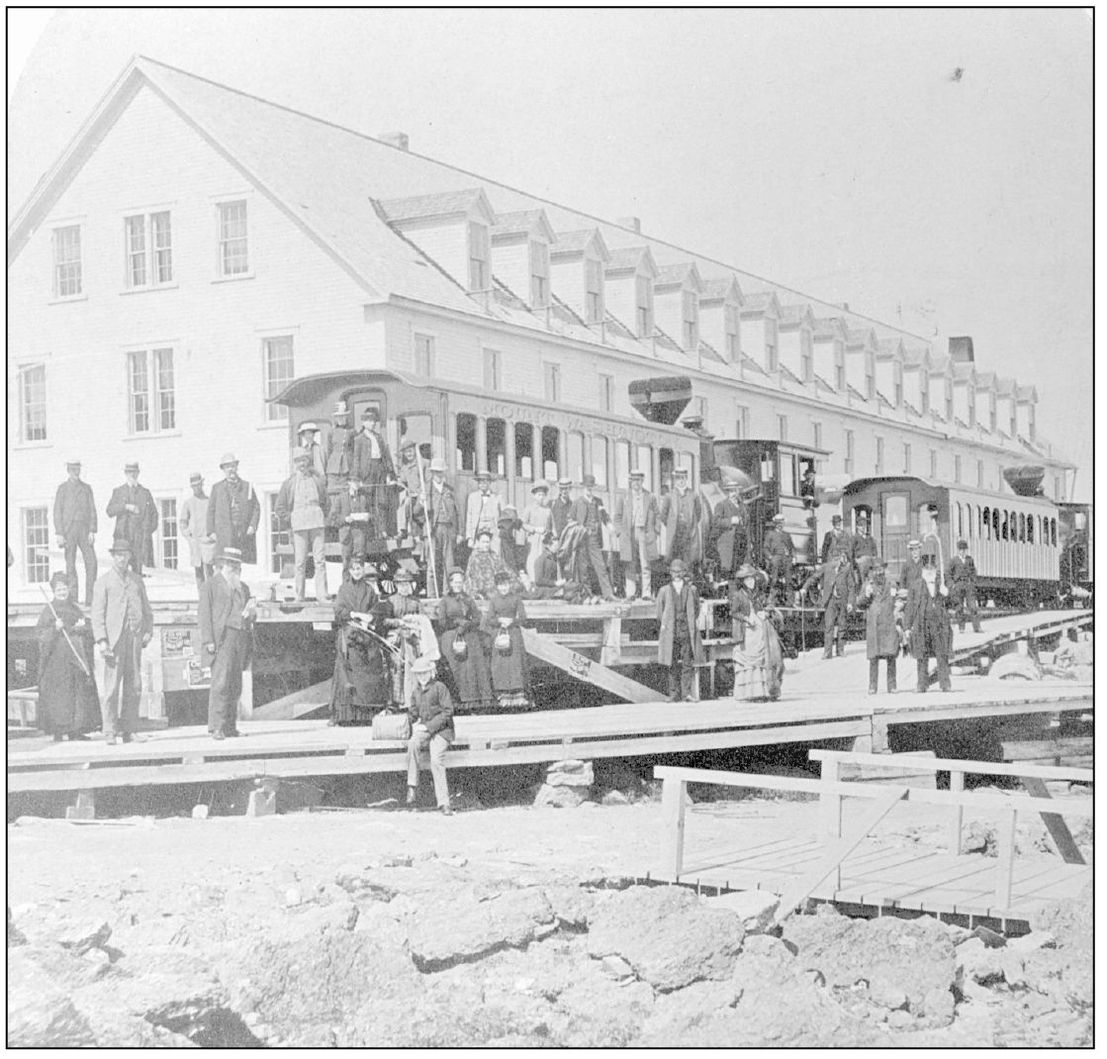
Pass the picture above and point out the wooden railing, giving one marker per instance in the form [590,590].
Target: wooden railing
[839,842]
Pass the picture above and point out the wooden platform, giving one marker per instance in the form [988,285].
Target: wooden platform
[878,875]
[311,748]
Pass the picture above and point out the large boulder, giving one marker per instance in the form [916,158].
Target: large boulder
[450,931]
[560,797]
[666,935]
[40,1013]
[913,956]
[755,908]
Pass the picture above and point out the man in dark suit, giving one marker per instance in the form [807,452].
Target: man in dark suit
[837,595]
[779,554]
[372,466]
[836,540]
[962,587]
[122,625]
[227,614]
[136,517]
[75,525]
[443,521]
[912,566]
[588,511]
[729,531]
[679,643]
[234,512]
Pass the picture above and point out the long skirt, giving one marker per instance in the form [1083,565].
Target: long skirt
[509,671]
[472,680]
[68,702]
[758,663]
[362,679]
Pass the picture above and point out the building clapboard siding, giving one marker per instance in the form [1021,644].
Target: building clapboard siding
[358,255]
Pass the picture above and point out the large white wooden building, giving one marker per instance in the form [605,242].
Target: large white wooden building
[196,248]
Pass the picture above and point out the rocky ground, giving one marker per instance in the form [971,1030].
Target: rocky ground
[506,926]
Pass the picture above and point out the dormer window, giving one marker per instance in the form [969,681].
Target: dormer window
[806,356]
[480,253]
[690,330]
[949,400]
[593,291]
[899,386]
[539,275]
[731,321]
[643,296]
[870,376]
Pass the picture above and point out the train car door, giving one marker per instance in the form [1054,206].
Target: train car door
[895,531]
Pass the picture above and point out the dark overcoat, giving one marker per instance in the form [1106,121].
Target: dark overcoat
[666,617]
[926,617]
[881,629]
[135,527]
[233,517]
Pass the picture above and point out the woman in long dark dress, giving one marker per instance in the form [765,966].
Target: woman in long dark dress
[68,703]
[508,658]
[362,671]
[461,645]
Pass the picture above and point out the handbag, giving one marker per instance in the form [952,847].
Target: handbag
[503,642]
[459,647]
[392,725]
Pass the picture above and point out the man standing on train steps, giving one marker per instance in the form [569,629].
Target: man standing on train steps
[962,587]
[682,514]
[302,503]
[227,613]
[836,540]
[864,547]
[75,526]
[442,522]
[338,450]
[636,521]
[561,509]
[372,466]
[779,553]
[729,532]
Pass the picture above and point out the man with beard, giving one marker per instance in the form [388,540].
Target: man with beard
[227,613]
[234,512]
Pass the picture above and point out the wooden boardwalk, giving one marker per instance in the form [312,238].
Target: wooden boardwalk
[310,748]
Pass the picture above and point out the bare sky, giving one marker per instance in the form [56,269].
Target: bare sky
[837,152]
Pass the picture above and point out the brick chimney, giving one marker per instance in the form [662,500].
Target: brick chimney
[960,349]
[394,139]
[633,223]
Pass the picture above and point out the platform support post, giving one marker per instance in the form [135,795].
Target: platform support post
[612,641]
[956,813]
[1005,859]
[84,808]
[880,735]
[673,795]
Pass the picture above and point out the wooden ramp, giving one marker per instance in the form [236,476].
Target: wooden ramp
[837,858]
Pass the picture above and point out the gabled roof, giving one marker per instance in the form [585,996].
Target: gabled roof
[444,204]
[577,242]
[684,274]
[1005,386]
[861,336]
[721,289]
[1026,393]
[763,303]
[830,327]
[630,258]
[917,357]
[889,347]
[523,221]
[940,364]
[797,315]
[963,372]
[985,380]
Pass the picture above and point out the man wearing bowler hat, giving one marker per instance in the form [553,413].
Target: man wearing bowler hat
[338,453]
[75,526]
[682,515]
[302,504]
[227,613]
[588,511]
[482,511]
[679,644]
[836,540]
[136,517]
[122,625]
[778,552]
[193,527]
[234,512]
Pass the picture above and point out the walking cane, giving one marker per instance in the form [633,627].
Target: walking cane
[427,527]
[80,660]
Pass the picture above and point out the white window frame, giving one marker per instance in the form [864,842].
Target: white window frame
[741,421]
[58,263]
[539,254]
[175,538]
[41,546]
[154,391]
[816,434]
[933,463]
[957,469]
[906,457]
[879,461]
[870,376]
[807,356]
[276,413]
[275,536]
[24,404]
[152,256]
[223,241]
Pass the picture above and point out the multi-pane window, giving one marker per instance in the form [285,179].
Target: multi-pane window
[170,538]
[607,393]
[906,459]
[539,275]
[151,391]
[643,300]
[782,427]
[492,369]
[495,446]
[67,261]
[690,320]
[879,455]
[424,355]
[553,382]
[32,402]
[280,540]
[849,456]
[36,542]
[149,249]
[479,254]
[593,291]
[277,373]
[732,326]
[234,257]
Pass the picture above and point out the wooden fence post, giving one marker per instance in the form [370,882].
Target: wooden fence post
[956,812]
[673,794]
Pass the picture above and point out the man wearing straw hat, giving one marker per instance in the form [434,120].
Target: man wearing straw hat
[122,625]
[306,441]
[482,512]
[234,512]
[302,503]
[227,613]
[442,522]
[75,526]
[432,731]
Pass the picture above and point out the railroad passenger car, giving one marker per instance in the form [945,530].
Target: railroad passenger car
[1014,540]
